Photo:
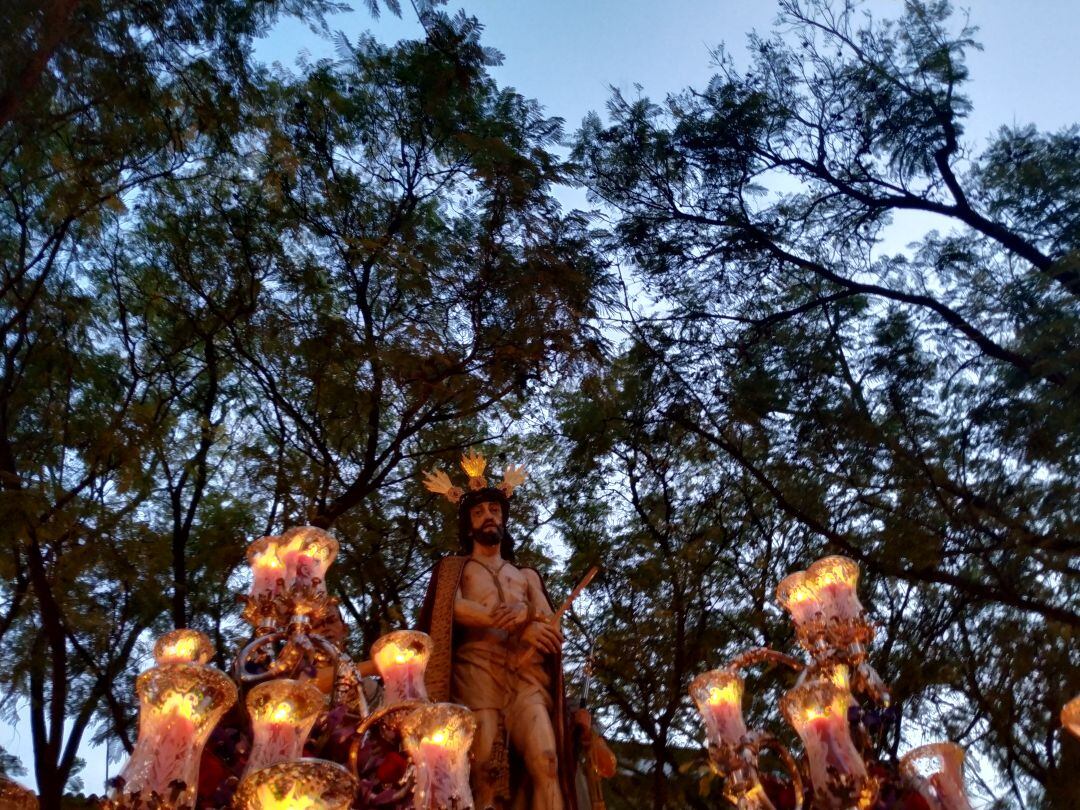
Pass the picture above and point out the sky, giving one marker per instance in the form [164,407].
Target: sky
[568,54]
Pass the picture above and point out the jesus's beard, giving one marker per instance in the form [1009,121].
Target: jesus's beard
[488,535]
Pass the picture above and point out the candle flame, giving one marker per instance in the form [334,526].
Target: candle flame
[438,738]
[269,559]
[401,655]
[812,713]
[728,693]
[283,713]
[266,799]
[179,704]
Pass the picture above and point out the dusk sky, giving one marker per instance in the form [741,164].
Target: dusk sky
[569,54]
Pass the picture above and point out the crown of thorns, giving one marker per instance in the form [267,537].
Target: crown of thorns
[474,465]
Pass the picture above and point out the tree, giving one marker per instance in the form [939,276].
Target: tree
[912,411]
[427,282]
[102,100]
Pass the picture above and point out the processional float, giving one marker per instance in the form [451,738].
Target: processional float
[248,740]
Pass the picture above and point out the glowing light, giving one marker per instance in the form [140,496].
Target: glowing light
[718,696]
[473,464]
[180,705]
[282,714]
[401,657]
[728,693]
[265,799]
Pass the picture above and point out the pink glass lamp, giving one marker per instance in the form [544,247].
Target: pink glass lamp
[718,695]
[282,713]
[818,711]
[437,738]
[401,658]
[267,570]
[302,784]
[826,590]
[936,771]
[307,553]
[179,705]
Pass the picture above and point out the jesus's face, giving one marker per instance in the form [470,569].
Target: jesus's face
[486,522]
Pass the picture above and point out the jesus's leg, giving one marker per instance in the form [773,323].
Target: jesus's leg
[484,780]
[531,734]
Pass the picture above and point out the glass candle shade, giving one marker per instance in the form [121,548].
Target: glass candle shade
[718,695]
[936,771]
[179,705]
[302,784]
[183,646]
[818,711]
[1070,716]
[267,570]
[14,796]
[437,739]
[282,713]
[307,553]
[826,590]
[401,658]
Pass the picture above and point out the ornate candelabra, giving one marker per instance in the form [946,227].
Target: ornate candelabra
[291,729]
[825,708]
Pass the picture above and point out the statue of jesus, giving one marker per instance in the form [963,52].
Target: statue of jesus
[497,652]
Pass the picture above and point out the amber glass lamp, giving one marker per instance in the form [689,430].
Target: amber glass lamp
[183,646]
[401,658]
[282,713]
[179,705]
[437,738]
[936,771]
[302,784]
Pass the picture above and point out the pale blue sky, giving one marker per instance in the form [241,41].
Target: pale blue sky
[568,54]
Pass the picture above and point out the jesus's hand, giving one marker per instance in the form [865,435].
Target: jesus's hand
[543,636]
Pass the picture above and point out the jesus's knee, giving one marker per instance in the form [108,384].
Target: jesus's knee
[543,764]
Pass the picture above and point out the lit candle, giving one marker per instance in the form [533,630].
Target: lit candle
[437,739]
[179,705]
[183,646]
[818,710]
[267,570]
[718,696]
[307,553]
[936,771]
[300,784]
[282,713]
[401,658]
